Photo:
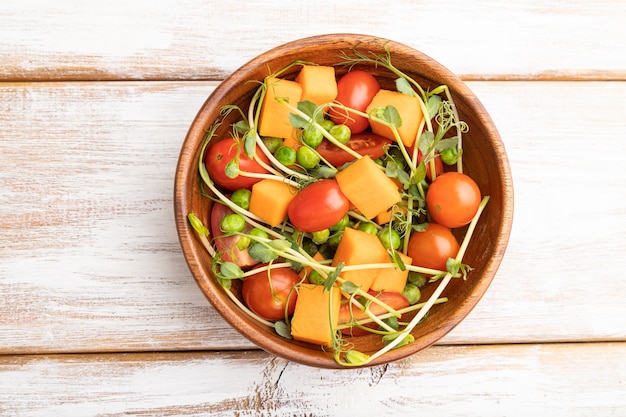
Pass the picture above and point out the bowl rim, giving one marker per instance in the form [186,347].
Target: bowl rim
[195,255]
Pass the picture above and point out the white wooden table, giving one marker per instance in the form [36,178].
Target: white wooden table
[99,315]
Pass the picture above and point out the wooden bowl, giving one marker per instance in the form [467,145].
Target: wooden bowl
[484,159]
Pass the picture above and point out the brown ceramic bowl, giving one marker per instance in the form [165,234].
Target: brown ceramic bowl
[484,159]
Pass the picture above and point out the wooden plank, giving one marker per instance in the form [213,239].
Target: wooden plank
[90,259]
[157,40]
[512,380]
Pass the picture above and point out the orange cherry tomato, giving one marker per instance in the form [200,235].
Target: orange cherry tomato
[432,247]
[453,199]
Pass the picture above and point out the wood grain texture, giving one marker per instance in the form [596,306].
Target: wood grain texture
[190,39]
[90,261]
[566,380]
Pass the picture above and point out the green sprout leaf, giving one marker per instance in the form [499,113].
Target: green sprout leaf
[197,225]
[403,86]
[407,338]
[249,144]
[392,116]
[355,357]
[262,252]
[232,168]
[332,277]
[396,259]
[420,172]
[230,270]
[282,329]
[349,287]
[447,143]
[454,267]
[432,105]
[241,127]
[297,121]
[426,141]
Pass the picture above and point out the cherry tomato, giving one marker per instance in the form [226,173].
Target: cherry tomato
[365,143]
[227,245]
[271,301]
[432,247]
[221,153]
[438,165]
[318,206]
[355,90]
[453,199]
[394,300]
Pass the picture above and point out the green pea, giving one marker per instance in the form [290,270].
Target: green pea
[368,227]
[241,197]
[312,137]
[233,223]
[392,322]
[272,144]
[412,293]
[341,133]
[334,239]
[417,279]
[327,124]
[396,156]
[307,157]
[390,238]
[256,232]
[286,155]
[316,278]
[309,246]
[321,236]
[451,156]
[243,242]
[341,224]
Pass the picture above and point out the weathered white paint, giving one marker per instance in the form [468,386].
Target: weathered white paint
[194,39]
[512,380]
[88,233]
[89,259]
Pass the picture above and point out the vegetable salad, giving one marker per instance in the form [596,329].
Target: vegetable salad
[334,201]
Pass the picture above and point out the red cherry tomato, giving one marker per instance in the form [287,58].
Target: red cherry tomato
[355,90]
[227,245]
[432,247]
[394,300]
[318,206]
[271,301]
[365,143]
[438,165]
[221,153]
[453,199]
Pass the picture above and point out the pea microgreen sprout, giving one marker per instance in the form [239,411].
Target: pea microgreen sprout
[310,120]
[202,232]
[440,288]
[280,247]
[414,307]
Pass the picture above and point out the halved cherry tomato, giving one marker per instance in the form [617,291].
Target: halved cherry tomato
[394,300]
[432,247]
[453,199]
[365,143]
[355,89]
[221,153]
[227,245]
[270,293]
[318,206]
